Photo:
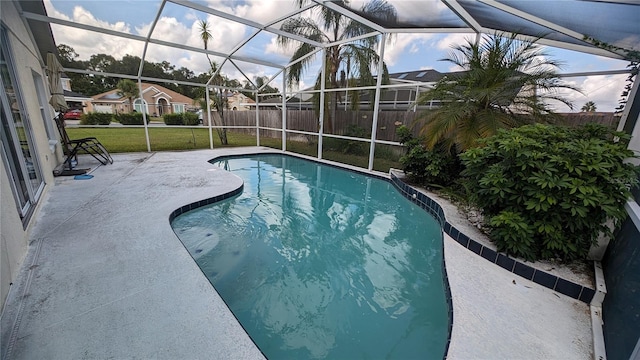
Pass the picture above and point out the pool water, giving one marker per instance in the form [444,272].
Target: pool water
[324,263]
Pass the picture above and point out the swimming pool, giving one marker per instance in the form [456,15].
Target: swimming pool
[320,262]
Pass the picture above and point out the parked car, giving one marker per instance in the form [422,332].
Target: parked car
[74,114]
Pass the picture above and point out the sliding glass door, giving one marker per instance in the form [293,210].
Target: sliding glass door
[18,148]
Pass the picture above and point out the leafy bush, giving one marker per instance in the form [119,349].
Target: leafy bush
[189,118]
[131,118]
[356,147]
[185,118]
[173,119]
[353,147]
[96,118]
[547,191]
[438,166]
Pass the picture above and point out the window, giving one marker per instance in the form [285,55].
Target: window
[178,108]
[421,74]
[44,110]
[139,105]
[18,149]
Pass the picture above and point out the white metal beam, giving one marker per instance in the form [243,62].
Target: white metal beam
[323,79]
[339,9]
[121,34]
[463,14]
[146,43]
[536,20]
[376,104]
[269,24]
[243,21]
[353,39]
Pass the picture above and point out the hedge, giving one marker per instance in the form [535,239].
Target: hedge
[96,118]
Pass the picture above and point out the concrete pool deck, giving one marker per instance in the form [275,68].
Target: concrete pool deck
[106,277]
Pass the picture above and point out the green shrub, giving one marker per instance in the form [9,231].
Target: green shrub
[438,166]
[547,191]
[189,118]
[96,118]
[353,147]
[135,118]
[173,119]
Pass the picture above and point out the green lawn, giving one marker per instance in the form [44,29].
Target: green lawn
[123,139]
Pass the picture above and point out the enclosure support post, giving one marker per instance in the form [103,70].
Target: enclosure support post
[376,104]
[144,115]
[284,110]
[415,103]
[257,119]
[321,113]
[209,117]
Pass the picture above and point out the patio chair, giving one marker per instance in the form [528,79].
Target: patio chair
[71,149]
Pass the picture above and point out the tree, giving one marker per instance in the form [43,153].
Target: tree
[67,54]
[128,89]
[589,106]
[259,82]
[354,58]
[219,101]
[506,83]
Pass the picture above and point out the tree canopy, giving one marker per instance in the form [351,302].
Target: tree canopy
[91,84]
[354,60]
[505,83]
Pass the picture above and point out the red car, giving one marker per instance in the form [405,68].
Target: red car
[73,114]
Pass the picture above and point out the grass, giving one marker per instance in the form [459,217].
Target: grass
[124,139]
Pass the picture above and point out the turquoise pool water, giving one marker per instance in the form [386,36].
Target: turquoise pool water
[323,263]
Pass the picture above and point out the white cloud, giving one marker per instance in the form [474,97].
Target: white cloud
[398,45]
[264,11]
[603,90]
[274,48]
[225,35]
[451,40]
[87,43]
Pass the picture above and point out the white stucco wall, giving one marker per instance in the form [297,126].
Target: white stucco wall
[26,60]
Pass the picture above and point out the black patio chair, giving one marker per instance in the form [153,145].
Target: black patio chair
[71,149]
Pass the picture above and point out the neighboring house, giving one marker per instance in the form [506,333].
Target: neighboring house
[293,102]
[29,147]
[394,98]
[404,98]
[239,101]
[156,100]
[74,100]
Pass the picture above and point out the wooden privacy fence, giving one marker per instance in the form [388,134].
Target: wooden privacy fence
[358,123]
[346,122]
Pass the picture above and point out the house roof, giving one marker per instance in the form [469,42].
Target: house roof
[429,75]
[73,94]
[154,89]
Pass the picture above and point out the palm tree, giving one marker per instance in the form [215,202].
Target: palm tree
[220,100]
[589,106]
[128,89]
[354,58]
[260,81]
[506,83]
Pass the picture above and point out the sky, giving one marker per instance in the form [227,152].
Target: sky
[403,52]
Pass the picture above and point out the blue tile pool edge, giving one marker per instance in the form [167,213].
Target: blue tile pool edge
[194,205]
[553,282]
[447,290]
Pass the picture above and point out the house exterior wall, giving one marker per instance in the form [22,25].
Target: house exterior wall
[26,59]
[152,104]
[109,108]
